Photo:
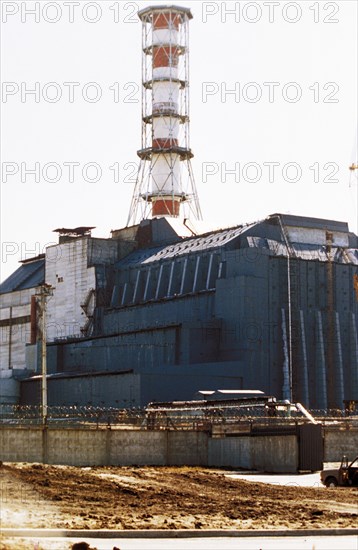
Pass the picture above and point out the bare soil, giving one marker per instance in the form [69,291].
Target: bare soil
[65,497]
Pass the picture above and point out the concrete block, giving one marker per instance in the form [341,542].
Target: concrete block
[21,444]
[339,442]
[128,447]
[278,453]
[77,447]
[267,453]
[187,448]
[234,452]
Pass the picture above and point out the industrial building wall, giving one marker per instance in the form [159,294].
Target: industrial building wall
[241,301]
[15,331]
[228,310]
[171,277]
[71,269]
[323,327]
[73,281]
[253,303]
[241,328]
[104,251]
[183,382]
[316,235]
[108,390]
[143,349]
[190,319]
[15,327]
[323,331]
[126,389]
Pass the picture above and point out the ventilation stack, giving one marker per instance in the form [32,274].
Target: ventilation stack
[165,183]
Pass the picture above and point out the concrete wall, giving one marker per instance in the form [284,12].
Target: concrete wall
[190,448]
[339,442]
[77,447]
[268,453]
[161,448]
[21,444]
[89,447]
[68,272]
[136,447]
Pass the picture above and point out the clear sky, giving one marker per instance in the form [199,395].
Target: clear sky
[287,134]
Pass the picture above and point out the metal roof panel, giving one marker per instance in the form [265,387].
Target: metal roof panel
[28,275]
[215,239]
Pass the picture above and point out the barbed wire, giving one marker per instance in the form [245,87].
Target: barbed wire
[142,418]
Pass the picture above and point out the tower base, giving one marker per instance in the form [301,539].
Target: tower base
[166,206]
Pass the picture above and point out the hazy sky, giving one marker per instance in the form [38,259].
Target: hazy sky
[288,132]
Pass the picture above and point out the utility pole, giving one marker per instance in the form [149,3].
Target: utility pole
[45,291]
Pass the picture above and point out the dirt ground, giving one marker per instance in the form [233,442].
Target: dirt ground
[64,497]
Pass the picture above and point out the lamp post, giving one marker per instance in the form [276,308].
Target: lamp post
[45,291]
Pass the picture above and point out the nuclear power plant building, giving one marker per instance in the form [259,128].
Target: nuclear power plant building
[151,315]
[158,312]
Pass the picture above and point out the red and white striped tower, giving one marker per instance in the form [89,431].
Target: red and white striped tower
[165,179]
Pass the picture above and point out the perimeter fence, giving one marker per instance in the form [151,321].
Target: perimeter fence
[236,419]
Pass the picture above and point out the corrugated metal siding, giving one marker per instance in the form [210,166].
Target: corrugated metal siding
[310,444]
[222,300]
[116,390]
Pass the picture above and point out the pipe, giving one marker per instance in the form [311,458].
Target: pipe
[33,321]
[305,412]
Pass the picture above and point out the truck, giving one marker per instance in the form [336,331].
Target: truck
[344,476]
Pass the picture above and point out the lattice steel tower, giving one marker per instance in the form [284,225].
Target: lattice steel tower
[165,183]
